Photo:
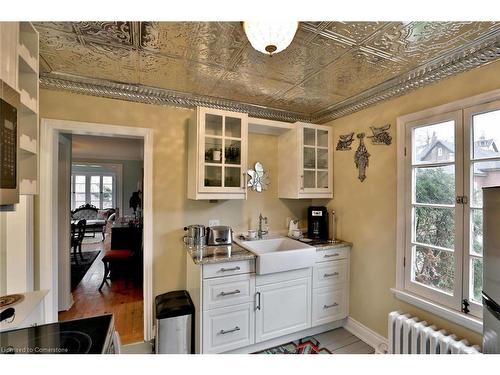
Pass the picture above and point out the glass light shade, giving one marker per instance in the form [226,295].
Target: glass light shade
[270,37]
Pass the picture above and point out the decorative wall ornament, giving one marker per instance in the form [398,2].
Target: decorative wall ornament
[259,178]
[361,157]
[381,135]
[345,141]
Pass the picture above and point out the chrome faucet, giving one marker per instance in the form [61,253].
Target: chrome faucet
[261,232]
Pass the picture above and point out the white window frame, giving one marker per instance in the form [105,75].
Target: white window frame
[427,301]
[105,169]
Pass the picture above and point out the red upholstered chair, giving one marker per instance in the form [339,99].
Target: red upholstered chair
[117,258]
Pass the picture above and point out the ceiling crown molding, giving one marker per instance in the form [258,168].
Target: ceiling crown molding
[157,96]
[461,61]
[484,51]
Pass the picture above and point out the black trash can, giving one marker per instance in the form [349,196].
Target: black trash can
[174,323]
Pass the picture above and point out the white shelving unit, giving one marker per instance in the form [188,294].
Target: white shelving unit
[28,87]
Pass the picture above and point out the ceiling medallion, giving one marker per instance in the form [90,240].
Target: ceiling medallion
[270,37]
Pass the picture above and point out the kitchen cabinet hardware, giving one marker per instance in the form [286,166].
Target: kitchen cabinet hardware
[331,274]
[258,300]
[331,255]
[230,269]
[223,294]
[235,329]
[332,305]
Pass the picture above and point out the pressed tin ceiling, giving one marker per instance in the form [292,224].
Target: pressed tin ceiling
[331,68]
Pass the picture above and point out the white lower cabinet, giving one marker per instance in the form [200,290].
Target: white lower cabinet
[282,308]
[329,304]
[228,328]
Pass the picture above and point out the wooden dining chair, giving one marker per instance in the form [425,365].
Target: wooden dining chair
[118,258]
[77,235]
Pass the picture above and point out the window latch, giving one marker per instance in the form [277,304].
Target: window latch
[461,199]
[465,306]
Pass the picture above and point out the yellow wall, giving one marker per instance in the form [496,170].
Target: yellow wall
[367,211]
[172,210]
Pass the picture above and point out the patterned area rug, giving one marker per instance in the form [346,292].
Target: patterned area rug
[79,270]
[308,345]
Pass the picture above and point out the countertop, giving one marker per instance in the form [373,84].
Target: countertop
[23,309]
[230,253]
[217,254]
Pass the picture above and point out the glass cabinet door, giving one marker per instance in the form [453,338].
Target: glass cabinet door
[223,152]
[315,154]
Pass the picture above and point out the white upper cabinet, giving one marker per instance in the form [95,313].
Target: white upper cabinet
[9,36]
[306,162]
[217,156]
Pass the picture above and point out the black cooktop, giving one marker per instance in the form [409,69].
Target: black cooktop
[71,337]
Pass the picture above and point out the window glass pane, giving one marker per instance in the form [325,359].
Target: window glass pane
[476,280]
[233,127]
[80,179]
[213,175]
[232,151]
[486,133]
[435,226]
[484,174]
[309,157]
[232,177]
[310,137]
[476,236]
[435,185]
[322,179]
[427,140]
[107,180]
[213,124]
[95,180]
[322,138]
[322,158]
[95,188]
[309,179]
[79,188]
[107,204]
[213,150]
[434,268]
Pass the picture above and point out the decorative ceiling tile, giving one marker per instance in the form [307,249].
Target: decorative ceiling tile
[218,43]
[120,33]
[168,38]
[248,88]
[354,72]
[188,76]
[327,65]
[304,57]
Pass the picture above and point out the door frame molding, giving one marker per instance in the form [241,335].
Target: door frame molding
[49,132]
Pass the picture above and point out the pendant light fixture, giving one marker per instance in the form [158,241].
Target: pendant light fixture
[270,37]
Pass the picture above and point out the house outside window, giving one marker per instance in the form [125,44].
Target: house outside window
[450,157]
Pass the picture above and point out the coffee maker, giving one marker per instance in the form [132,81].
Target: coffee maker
[317,223]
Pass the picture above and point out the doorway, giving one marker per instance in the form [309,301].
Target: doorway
[51,230]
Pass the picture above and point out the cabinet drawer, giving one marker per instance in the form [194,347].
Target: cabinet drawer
[228,328]
[228,268]
[330,274]
[228,291]
[328,305]
[332,254]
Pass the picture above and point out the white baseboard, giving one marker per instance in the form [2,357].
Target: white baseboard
[372,338]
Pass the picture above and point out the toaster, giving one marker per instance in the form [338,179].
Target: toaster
[219,235]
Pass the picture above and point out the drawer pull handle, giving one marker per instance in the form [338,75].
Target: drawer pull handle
[332,305]
[230,269]
[229,293]
[258,304]
[332,255]
[331,274]
[222,332]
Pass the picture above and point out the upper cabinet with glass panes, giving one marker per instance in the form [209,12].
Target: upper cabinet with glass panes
[217,156]
[306,162]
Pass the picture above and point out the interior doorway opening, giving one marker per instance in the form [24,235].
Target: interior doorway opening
[89,191]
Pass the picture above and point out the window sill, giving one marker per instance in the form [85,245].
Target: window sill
[467,321]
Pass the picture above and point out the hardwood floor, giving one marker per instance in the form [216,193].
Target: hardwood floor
[126,304]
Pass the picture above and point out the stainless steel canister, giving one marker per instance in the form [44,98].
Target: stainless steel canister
[195,235]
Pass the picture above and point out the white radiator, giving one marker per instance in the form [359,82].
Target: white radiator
[409,335]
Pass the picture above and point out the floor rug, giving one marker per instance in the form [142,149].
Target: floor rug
[308,345]
[79,270]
